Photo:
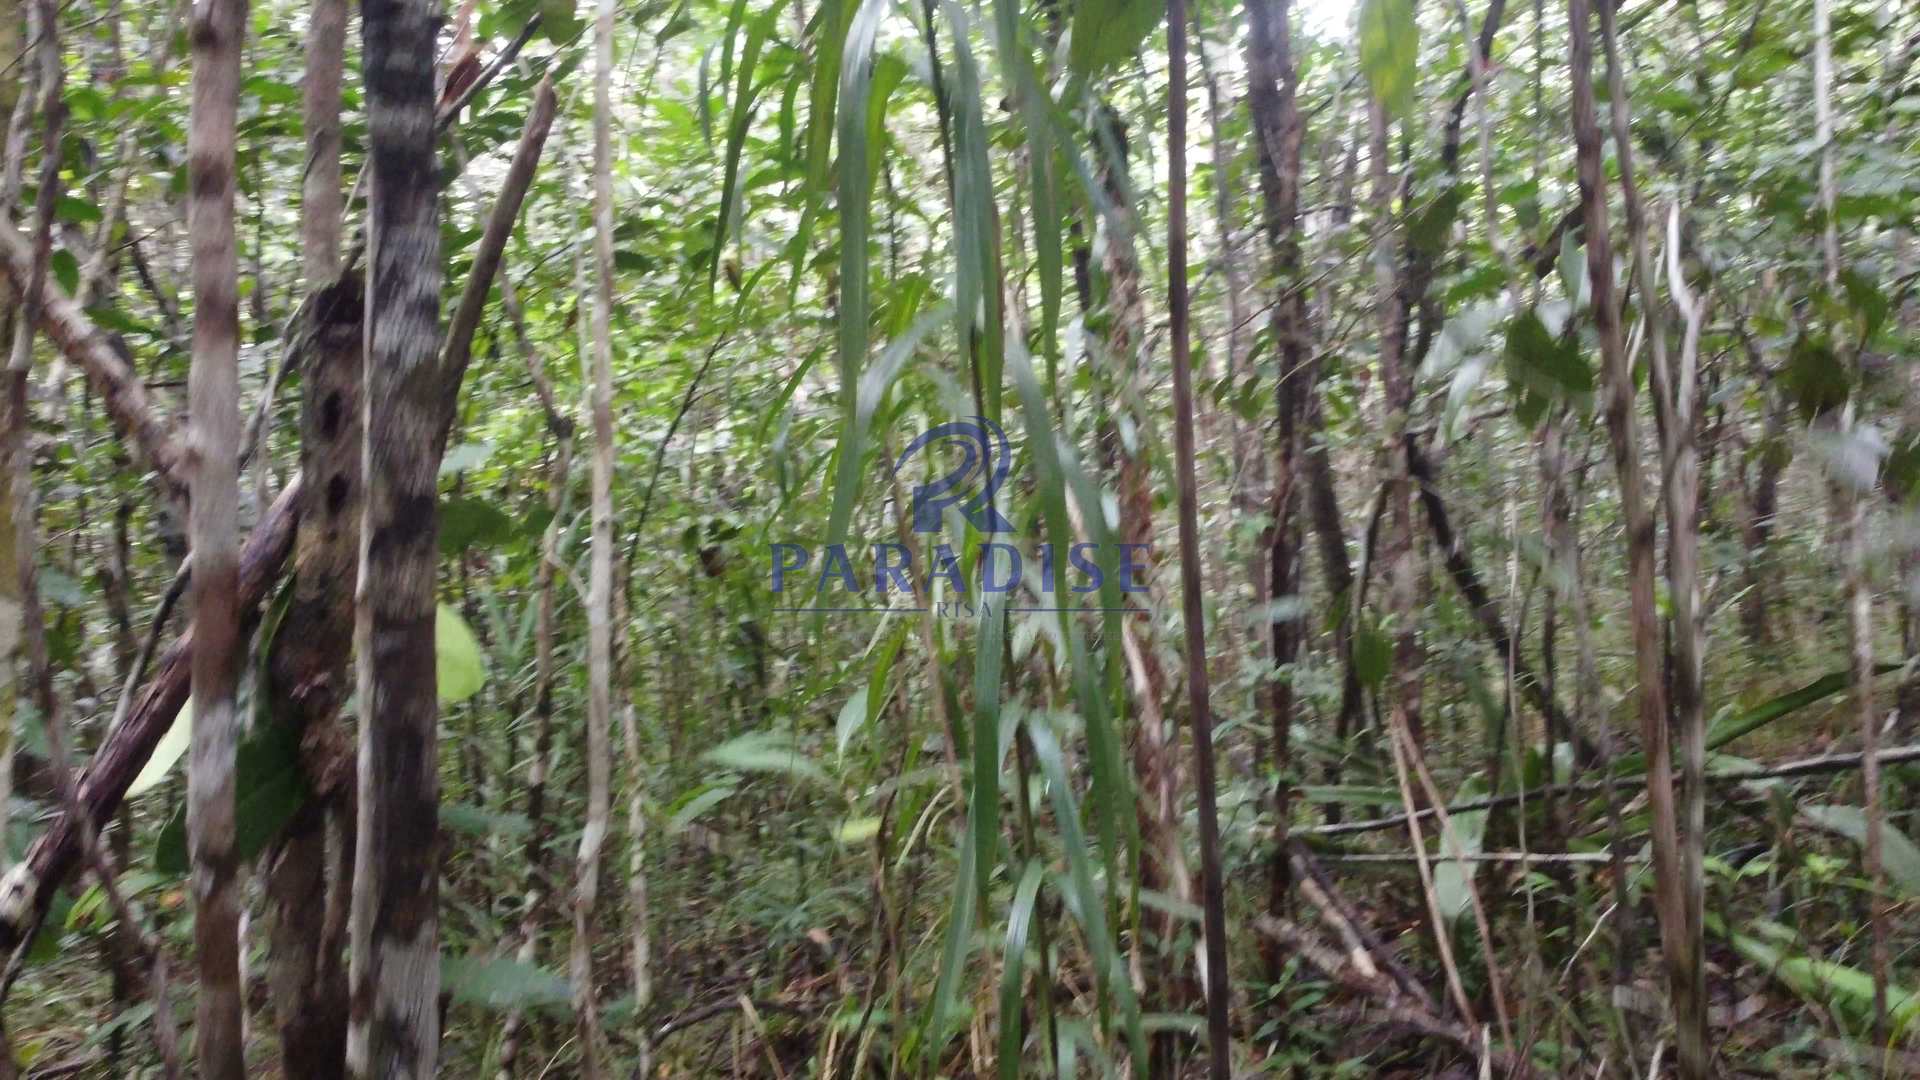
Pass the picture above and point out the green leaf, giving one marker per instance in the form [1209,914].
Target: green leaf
[459,665]
[269,787]
[502,984]
[738,121]
[765,751]
[853,717]
[1542,369]
[66,270]
[1815,378]
[1822,982]
[856,830]
[1389,51]
[1372,654]
[1453,878]
[166,753]
[1898,855]
[1107,33]
[558,21]
[467,522]
[76,211]
[479,821]
[1019,920]
[703,800]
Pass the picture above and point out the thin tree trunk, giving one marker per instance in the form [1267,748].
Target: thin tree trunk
[1853,503]
[393,1028]
[1219,1040]
[1674,394]
[540,746]
[1278,130]
[1683,952]
[214,535]
[600,559]
[320,202]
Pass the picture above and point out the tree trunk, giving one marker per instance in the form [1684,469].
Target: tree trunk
[1278,130]
[320,202]
[600,565]
[213,535]
[1683,952]
[393,1028]
[307,677]
[1213,888]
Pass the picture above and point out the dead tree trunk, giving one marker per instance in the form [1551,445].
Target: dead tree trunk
[308,679]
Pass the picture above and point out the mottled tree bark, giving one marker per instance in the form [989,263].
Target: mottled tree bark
[213,535]
[394,1025]
[308,678]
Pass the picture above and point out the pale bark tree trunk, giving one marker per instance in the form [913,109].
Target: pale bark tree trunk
[320,200]
[1683,953]
[393,1028]
[600,564]
[214,534]
[1853,537]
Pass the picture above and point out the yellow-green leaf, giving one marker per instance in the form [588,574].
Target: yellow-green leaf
[459,666]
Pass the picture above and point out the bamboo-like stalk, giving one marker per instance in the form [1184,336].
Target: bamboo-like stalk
[1213,891]
[1683,950]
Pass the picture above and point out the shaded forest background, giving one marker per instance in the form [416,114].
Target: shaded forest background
[1515,402]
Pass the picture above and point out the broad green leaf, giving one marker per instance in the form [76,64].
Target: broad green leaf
[502,984]
[765,751]
[166,753]
[856,830]
[1898,855]
[853,717]
[690,809]
[269,787]
[1389,52]
[467,522]
[559,22]
[459,665]
[1107,33]
[1453,878]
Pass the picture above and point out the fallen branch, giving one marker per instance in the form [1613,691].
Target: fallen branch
[1385,1002]
[1825,763]
[1485,611]
[29,887]
[119,387]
